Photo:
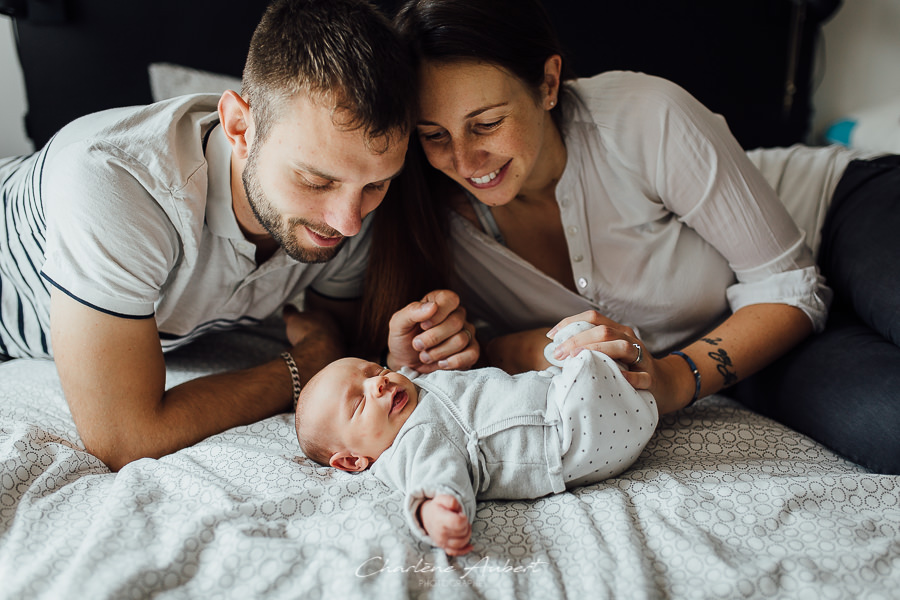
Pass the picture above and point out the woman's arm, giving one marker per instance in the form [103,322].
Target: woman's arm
[744,343]
[524,350]
[518,352]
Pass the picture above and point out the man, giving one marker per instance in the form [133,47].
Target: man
[135,230]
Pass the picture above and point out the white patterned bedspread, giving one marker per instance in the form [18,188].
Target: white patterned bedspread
[722,504]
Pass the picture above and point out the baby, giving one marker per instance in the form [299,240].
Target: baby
[448,438]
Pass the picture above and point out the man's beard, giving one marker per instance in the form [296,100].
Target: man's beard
[284,233]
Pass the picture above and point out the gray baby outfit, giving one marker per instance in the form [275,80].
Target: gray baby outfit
[484,434]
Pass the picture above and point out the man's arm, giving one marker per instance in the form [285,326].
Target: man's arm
[344,312]
[113,375]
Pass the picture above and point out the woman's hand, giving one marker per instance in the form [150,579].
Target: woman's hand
[432,334]
[666,378]
[617,341]
[741,345]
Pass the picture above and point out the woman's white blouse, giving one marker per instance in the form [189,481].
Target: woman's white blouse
[670,226]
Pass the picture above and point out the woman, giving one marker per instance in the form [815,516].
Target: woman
[621,200]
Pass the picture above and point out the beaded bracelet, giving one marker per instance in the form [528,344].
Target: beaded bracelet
[695,372]
[295,375]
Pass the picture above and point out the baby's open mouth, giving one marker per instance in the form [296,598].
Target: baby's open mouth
[399,401]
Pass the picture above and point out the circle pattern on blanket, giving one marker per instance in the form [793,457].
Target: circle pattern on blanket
[721,503]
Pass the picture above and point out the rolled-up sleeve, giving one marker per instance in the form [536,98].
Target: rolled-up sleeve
[710,183]
[803,288]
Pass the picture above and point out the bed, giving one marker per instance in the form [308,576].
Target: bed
[723,503]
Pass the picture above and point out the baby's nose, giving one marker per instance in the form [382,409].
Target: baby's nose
[377,385]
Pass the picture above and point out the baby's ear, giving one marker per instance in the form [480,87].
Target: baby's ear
[347,461]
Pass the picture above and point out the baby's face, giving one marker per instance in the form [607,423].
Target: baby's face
[361,405]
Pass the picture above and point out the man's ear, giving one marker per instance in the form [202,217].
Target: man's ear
[347,461]
[237,122]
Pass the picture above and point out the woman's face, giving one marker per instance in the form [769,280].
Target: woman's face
[487,130]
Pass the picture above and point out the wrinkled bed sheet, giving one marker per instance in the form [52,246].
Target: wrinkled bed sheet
[722,504]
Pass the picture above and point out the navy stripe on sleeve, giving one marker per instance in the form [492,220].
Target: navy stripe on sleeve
[94,306]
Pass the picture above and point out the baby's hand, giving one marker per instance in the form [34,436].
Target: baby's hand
[445,523]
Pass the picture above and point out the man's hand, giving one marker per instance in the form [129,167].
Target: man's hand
[302,326]
[315,338]
[445,523]
[432,334]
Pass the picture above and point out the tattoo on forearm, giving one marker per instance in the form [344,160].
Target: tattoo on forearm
[724,365]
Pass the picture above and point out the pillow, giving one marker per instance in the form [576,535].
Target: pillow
[875,129]
[168,80]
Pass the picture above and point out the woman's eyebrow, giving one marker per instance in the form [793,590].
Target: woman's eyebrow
[472,114]
[478,111]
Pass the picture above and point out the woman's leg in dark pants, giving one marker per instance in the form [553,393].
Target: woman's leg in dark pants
[842,387]
[860,253]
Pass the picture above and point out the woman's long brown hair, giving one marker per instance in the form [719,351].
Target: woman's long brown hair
[410,253]
[410,247]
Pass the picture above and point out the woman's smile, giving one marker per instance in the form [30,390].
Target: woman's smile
[490,180]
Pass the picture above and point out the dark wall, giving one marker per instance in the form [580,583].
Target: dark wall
[750,60]
[93,54]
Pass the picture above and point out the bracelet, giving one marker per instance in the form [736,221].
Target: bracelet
[295,375]
[695,372]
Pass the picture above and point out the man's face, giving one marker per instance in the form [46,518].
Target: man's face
[310,183]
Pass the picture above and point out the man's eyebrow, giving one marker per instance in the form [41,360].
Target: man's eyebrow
[314,171]
[395,175]
[472,114]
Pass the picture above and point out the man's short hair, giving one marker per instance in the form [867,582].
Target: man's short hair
[343,53]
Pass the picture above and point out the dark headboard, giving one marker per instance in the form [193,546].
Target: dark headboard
[80,56]
[750,60]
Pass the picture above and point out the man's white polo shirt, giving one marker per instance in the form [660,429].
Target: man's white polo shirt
[140,224]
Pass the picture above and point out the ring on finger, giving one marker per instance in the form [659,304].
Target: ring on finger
[640,354]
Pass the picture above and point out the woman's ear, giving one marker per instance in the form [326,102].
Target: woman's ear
[237,122]
[552,75]
[347,461]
